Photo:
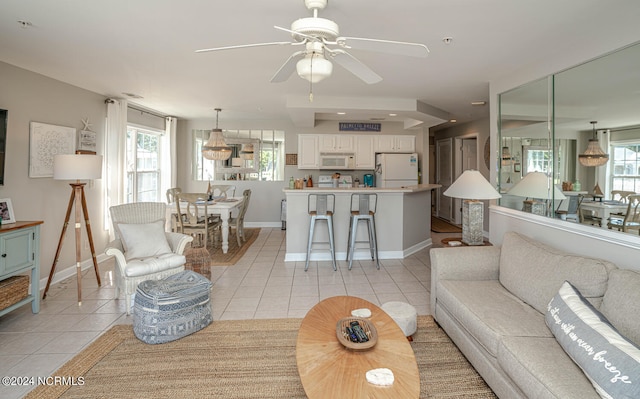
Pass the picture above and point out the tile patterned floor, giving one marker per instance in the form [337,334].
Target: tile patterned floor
[260,285]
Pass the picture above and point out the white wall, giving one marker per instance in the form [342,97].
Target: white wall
[621,249]
[267,196]
[31,97]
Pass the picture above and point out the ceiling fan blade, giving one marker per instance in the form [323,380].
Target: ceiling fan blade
[384,46]
[287,68]
[351,64]
[204,50]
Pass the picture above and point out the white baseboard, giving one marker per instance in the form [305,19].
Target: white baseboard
[69,271]
[359,254]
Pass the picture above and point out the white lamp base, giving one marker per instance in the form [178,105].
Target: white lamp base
[472,222]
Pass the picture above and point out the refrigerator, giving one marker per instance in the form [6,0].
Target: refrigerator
[396,170]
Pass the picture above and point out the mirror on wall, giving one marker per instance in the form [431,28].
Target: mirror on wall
[545,125]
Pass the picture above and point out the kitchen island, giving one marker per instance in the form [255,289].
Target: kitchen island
[403,222]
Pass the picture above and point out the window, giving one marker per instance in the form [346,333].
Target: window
[267,164]
[143,164]
[626,167]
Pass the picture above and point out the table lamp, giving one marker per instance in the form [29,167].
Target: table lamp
[472,187]
[535,185]
[76,167]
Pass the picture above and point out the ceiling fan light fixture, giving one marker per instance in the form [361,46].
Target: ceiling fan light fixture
[314,67]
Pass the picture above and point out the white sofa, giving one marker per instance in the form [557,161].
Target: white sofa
[492,302]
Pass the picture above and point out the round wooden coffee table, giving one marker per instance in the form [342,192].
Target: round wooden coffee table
[330,370]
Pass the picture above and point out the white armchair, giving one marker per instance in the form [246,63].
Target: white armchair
[143,249]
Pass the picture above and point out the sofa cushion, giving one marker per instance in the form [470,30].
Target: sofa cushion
[621,303]
[534,272]
[541,369]
[607,358]
[488,311]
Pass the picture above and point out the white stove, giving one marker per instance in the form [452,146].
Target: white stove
[326,181]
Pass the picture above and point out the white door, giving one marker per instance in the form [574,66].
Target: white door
[469,160]
[444,176]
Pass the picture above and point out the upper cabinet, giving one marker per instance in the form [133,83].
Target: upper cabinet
[386,143]
[336,143]
[308,153]
[365,155]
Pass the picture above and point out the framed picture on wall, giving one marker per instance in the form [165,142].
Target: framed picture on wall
[6,211]
[45,141]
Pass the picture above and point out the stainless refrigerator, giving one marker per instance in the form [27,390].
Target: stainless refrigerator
[396,170]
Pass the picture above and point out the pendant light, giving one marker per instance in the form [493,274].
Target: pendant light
[593,155]
[247,151]
[215,148]
[506,154]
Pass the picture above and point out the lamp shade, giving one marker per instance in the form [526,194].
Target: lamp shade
[472,185]
[77,167]
[536,185]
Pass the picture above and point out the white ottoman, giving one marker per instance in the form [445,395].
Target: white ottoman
[404,315]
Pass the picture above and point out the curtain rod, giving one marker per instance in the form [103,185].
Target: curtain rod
[144,111]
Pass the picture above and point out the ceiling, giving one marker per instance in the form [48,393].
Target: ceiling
[146,48]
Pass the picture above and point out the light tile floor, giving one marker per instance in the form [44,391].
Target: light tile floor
[260,285]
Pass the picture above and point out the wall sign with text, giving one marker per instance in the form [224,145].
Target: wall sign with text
[359,127]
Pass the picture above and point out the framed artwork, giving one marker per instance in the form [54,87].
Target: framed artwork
[45,141]
[6,211]
[86,142]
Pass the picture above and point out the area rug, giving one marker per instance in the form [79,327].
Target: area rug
[234,253]
[442,226]
[238,359]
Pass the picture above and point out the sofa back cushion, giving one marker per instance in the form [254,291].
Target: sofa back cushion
[621,303]
[534,271]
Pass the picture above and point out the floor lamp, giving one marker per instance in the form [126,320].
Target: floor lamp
[472,187]
[76,167]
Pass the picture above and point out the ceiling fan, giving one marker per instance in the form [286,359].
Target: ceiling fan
[316,35]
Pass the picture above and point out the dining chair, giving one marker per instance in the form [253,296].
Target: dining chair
[631,220]
[621,195]
[223,190]
[172,194]
[143,250]
[197,221]
[237,223]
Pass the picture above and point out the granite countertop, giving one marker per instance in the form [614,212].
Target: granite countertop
[408,189]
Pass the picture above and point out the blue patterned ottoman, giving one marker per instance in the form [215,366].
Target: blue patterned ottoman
[169,309]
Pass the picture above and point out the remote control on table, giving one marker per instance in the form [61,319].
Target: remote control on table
[362,336]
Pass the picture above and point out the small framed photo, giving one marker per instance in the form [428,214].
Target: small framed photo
[6,211]
[516,167]
[86,142]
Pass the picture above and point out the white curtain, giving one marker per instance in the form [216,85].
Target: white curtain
[603,172]
[169,158]
[115,156]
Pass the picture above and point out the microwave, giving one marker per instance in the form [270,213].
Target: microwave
[337,161]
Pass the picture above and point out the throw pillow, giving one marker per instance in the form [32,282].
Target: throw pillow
[144,240]
[608,359]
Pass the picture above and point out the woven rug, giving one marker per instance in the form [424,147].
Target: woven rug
[238,359]
[233,254]
[442,226]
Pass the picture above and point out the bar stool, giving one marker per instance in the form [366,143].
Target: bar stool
[320,207]
[365,211]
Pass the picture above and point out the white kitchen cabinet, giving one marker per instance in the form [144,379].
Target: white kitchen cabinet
[365,155]
[393,143]
[336,143]
[308,151]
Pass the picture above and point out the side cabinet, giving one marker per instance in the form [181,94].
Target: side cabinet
[19,254]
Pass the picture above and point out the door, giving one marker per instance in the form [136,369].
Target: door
[444,176]
[468,160]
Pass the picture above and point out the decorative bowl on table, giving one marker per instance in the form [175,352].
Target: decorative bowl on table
[367,327]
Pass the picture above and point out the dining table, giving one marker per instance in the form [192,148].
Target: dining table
[222,207]
[604,209]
